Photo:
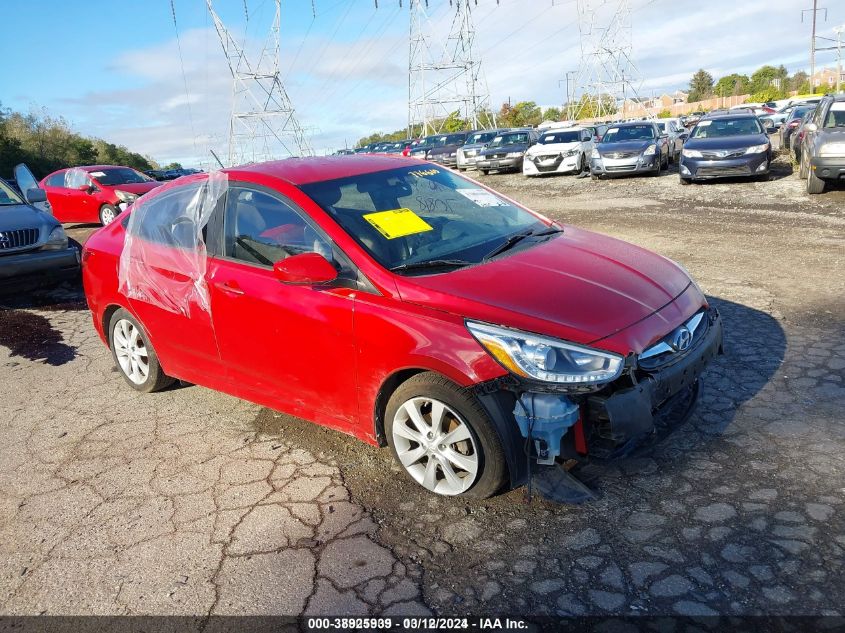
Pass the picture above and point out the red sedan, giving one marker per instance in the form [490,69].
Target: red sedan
[404,304]
[95,193]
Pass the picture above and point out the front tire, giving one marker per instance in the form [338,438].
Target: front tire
[107,214]
[442,439]
[685,181]
[815,185]
[134,354]
[485,171]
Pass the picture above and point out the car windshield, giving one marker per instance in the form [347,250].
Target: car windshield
[836,115]
[417,215]
[798,113]
[118,176]
[8,196]
[628,133]
[719,128]
[480,137]
[513,138]
[560,137]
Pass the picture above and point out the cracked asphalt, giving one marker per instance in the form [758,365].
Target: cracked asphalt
[193,502]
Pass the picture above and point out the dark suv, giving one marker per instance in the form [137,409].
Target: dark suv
[823,145]
[33,246]
[724,145]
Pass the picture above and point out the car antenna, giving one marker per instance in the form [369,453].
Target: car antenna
[219,162]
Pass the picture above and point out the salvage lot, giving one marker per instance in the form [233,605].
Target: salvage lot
[190,501]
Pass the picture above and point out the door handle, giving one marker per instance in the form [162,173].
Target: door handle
[230,287]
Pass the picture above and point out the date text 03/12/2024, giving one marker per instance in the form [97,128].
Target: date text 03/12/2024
[415,624]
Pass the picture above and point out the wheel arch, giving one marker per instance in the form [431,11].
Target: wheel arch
[388,386]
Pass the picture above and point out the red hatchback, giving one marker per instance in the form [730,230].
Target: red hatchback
[95,193]
[404,304]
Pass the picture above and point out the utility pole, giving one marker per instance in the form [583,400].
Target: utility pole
[568,109]
[839,30]
[815,10]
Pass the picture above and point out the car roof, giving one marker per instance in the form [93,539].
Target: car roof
[736,114]
[303,171]
[90,168]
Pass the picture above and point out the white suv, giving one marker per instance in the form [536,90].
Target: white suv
[559,151]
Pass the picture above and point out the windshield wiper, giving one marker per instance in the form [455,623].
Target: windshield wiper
[431,263]
[516,238]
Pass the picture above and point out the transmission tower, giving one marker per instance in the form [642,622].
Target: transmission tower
[263,125]
[607,74]
[445,77]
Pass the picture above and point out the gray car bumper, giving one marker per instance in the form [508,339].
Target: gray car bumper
[624,166]
[39,265]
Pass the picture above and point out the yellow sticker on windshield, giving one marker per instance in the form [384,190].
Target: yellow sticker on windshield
[397,223]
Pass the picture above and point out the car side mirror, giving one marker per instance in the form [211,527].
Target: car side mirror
[810,127]
[84,188]
[35,195]
[304,269]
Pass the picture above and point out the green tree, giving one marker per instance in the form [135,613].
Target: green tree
[173,166]
[552,114]
[700,86]
[664,114]
[454,122]
[799,82]
[767,77]
[589,107]
[522,114]
[732,85]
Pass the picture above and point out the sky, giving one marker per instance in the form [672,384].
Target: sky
[122,71]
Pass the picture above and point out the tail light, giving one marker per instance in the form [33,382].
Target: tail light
[794,123]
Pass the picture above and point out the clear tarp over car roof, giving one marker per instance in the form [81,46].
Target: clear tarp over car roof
[163,261]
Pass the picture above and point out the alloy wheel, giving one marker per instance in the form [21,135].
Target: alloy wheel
[435,445]
[131,351]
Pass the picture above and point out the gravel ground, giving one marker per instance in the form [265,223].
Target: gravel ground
[193,502]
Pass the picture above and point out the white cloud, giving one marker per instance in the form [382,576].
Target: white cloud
[350,78]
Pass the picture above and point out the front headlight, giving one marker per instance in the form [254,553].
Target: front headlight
[125,196]
[57,241]
[452,155]
[546,359]
[832,149]
[691,153]
[595,153]
[757,149]
[514,154]
[650,150]
[571,152]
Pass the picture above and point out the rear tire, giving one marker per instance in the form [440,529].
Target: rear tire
[485,171]
[134,355]
[475,444]
[815,185]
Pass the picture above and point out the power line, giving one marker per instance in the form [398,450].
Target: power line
[184,77]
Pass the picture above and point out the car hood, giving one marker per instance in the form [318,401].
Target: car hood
[578,286]
[625,146]
[23,216]
[552,148]
[726,142]
[139,188]
[444,149]
[826,135]
[515,147]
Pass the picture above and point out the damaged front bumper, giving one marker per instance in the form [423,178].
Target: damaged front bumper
[550,423]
